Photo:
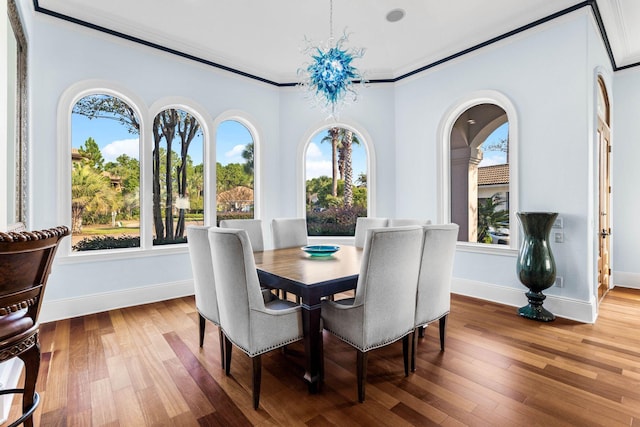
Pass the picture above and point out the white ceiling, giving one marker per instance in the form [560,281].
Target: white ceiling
[265,37]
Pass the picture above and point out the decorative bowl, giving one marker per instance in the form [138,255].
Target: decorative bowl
[320,250]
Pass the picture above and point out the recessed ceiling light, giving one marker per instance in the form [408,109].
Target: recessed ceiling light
[395,15]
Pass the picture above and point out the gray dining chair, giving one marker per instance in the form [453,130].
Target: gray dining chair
[433,300]
[363,224]
[253,227]
[399,222]
[203,281]
[383,310]
[248,323]
[289,232]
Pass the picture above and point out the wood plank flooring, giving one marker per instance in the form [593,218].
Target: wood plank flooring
[141,366]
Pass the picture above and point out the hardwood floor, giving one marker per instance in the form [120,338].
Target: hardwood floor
[142,366]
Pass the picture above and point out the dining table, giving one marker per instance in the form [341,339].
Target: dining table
[311,278]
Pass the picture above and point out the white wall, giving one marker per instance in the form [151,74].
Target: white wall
[626,178]
[547,73]
[62,54]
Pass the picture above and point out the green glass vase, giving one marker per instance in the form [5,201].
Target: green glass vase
[536,267]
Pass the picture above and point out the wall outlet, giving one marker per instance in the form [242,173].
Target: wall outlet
[559,283]
[558,236]
[558,223]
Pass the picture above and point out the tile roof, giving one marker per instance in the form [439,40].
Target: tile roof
[491,175]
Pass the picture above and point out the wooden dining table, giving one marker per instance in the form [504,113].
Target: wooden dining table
[311,278]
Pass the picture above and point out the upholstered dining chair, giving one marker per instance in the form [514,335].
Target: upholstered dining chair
[383,310]
[26,258]
[289,232]
[203,282]
[363,224]
[250,324]
[399,222]
[433,300]
[253,227]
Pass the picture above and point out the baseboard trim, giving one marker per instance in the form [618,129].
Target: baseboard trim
[96,303]
[626,280]
[568,308]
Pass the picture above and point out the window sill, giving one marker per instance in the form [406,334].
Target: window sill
[483,248]
[121,254]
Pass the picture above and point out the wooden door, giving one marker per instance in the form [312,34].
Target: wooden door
[604,226]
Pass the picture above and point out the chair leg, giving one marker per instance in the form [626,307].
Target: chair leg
[421,331]
[321,347]
[221,338]
[257,377]
[362,374]
[414,345]
[31,359]
[201,329]
[227,355]
[442,325]
[405,353]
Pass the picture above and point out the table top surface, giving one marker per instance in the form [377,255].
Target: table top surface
[295,265]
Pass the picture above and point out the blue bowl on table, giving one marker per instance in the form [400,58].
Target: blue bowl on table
[320,250]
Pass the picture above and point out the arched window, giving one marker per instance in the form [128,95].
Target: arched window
[178,175]
[105,174]
[235,171]
[480,175]
[336,181]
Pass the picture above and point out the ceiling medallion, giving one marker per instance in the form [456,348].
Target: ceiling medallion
[329,79]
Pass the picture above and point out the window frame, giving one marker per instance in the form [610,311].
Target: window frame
[444,167]
[145,116]
[146,168]
[65,109]
[248,122]
[367,142]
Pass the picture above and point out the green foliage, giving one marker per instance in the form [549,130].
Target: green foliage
[338,221]
[128,169]
[491,215]
[247,154]
[231,176]
[91,195]
[107,242]
[233,215]
[91,154]
[108,107]
[319,194]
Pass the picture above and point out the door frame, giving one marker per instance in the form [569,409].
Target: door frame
[603,223]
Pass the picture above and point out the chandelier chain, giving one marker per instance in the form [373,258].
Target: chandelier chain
[331,19]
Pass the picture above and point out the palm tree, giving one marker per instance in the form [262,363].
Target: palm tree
[490,215]
[248,155]
[91,192]
[347,143]
[333,136]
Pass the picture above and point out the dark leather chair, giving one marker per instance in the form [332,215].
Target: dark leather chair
[25,263]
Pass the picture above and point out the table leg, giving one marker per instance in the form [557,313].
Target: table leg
[312,345]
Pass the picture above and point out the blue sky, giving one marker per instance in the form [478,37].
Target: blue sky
[495,157]
[318,159]
[232,137]
[114,140]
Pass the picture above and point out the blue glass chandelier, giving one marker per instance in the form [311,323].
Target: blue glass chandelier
[329,78]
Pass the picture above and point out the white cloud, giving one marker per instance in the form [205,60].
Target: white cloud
[313,151]
[491,158]
[316,164]
[318,168]
[235,154]
[112,151]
